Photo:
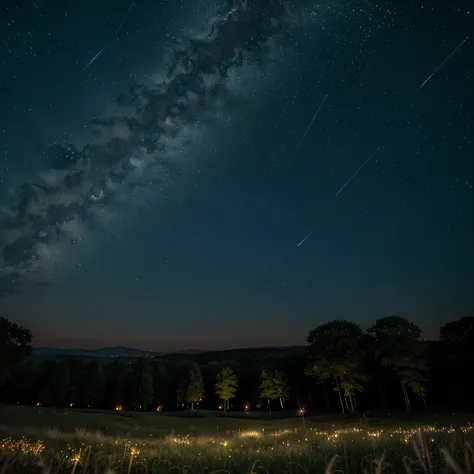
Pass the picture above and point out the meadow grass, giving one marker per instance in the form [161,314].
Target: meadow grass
[93,442]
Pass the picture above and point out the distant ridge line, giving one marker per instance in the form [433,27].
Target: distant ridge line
[124,352]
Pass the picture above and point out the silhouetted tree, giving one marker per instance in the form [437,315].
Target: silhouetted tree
[398,346]
[340,357]
[460,331]
[336,353]
[456,352]
[15,346]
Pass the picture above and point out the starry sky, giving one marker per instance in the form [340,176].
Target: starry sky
[161,163]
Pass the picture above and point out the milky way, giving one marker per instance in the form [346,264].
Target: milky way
[82,182]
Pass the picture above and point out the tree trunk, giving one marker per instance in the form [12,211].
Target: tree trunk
[269,409]
[281,403]
[352,404]
[345,401]
[192,405]
[340,395]
[408,397]
[225,407]
[405,393]
[424,402]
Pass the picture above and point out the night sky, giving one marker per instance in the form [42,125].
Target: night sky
[156,195]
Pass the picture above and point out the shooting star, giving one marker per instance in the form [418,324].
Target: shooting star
[358,169]
[311,123]
[367,160]
[443,63]
[124,18]
[95,57]
[309,235]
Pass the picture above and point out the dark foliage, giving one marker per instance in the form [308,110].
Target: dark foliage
[376,370]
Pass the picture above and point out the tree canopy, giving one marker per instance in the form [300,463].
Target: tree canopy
[336,354]
[273,386]
[397,346]
[226,385]
[385,366]
[458,332]
[195,389]
[15,345]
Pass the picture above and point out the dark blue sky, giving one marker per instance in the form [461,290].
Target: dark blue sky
[176,223]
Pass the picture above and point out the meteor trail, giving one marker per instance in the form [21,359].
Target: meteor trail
[367,160]
[311,123]
[124,18]
[358,169]
[443,63]
[95,57]
[309,235]
[116,33]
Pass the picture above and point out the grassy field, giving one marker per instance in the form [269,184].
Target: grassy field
[76,441]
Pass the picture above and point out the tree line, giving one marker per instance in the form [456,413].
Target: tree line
[343,368]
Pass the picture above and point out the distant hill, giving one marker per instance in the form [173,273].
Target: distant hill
[244,354]
[201,354]
[103,352]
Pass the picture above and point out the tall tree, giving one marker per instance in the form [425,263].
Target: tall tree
[226,386]
[15,346]
[195,389]
[351,384]
[457,353]
[460,331]
[398,346]
[337,354]
[273,386]
[281,387]
[267,389]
